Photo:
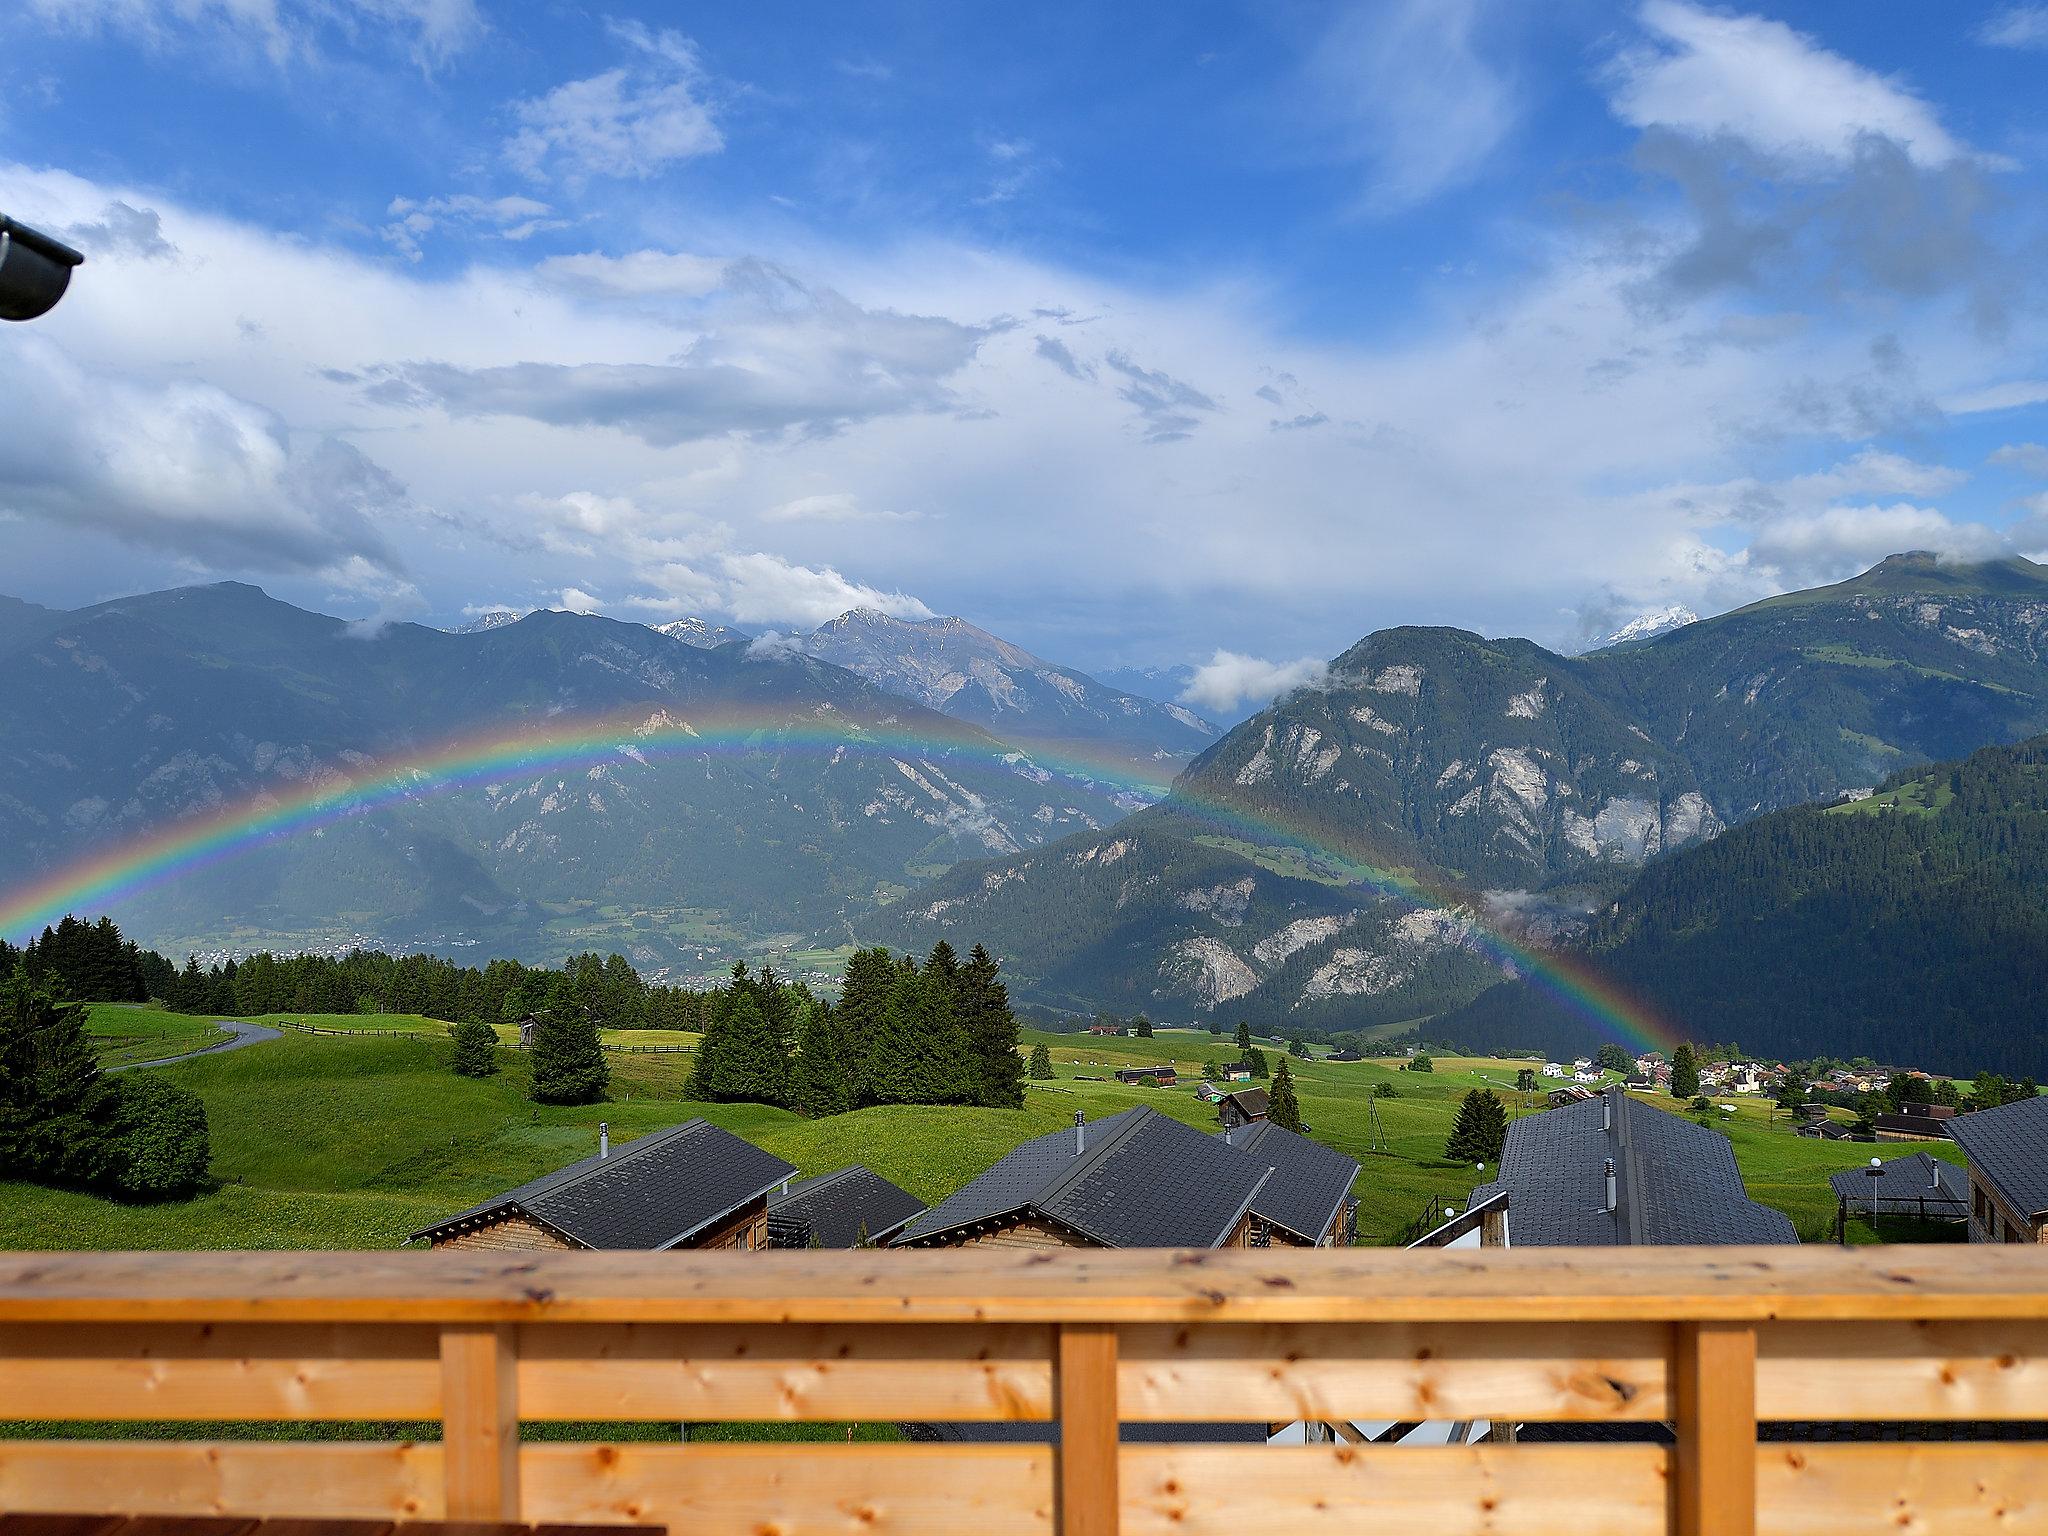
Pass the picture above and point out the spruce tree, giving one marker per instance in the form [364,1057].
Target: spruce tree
[1481,1129]
[53,1101]
[1685,1072]
[1244,1035]
[1254,1061]
[1282,1107]
[1041,1063]
[817,1079]
[476,1049]
[568,1058]
[863,1002]
[740,1059]
[982,1008]
[1141,1026]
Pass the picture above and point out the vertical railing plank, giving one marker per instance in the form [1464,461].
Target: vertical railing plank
[1714,1380]
[479,1422]
[1086,1389]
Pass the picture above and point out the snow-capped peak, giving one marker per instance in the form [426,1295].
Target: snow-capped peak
[1645,625]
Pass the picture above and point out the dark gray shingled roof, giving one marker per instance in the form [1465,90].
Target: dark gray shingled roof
[1676,1182]
[2009,1147]
[655,1192]
[1908,1186]
[836,1206]
[1309,1180]
[1250,1101]
[1143,1180]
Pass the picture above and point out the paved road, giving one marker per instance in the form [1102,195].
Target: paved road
[245,1034]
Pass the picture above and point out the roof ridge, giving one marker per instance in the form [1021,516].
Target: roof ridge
[634,1148]
[1090,1158]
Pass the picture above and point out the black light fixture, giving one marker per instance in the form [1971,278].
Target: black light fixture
[34,270]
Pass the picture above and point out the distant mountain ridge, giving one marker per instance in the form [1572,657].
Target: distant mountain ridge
[700,632]
[949,665]
[131,715]
[1506,781]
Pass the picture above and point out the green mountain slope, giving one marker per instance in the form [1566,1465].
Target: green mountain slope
[1910,926]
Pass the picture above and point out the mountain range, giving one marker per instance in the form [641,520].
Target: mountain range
[827,796]
[1437,777]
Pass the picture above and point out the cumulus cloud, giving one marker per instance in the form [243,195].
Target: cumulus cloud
[188,468]
[632,121]
[761,588]
[773,645]
[784,358]
[637,274]
[1709,74]
[1840,541]
[1228,679]
[1413,96]
[576,600]
[507,218]
[119,231]
[2029,458]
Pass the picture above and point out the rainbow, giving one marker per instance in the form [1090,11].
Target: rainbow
[565,743]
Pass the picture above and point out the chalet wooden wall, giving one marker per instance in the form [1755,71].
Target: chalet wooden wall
[515,1234]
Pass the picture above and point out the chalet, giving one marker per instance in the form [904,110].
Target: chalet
[1914,1185]
[1555,1069]
[692,1186]
[1237,1074]
[1571,1093]
[1307,1203]
[2008,1152]
[1247,1106]
[1147,1077]
[527,1026]
[844,1209]
[1614,1170]
[1105,1029]
[1208,1092]
[1914,1122]
[1826,1130]
[1345,1053]
[1639,1082]
[1138,1179]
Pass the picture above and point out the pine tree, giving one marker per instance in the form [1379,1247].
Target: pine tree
[1244,1035]
[982,1008]
[863,1004]
[53,1100]
[1685,1072]
[1041,1063]
[476,1049]
[1282,1107]
[1254,1061]
[568,1058]
[817,1079]
[1298,1049]
[739,1059]
[1142,1027]
[1481,1129]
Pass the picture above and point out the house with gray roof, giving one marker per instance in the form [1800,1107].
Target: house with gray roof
[1307,1203]
[1138,1179]
[694,1185]
[843,1209]
[2008,1152]
[1612,1170]
[1919,1185]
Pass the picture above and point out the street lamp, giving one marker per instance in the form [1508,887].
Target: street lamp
[34,270]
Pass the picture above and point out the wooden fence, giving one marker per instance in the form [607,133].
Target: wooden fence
[1707,1340]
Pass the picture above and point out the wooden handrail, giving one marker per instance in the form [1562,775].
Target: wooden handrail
[1707,1342]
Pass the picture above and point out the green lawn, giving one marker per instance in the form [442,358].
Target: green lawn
[353,1142]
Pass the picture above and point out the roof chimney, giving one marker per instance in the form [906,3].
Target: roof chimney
[604,1141]
[1612,1201]
[1080,1133]
[1607,1112]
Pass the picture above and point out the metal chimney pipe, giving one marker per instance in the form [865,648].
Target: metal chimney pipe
[1080,1133]
[604,1141]
[1607,1110]
[1612,1201]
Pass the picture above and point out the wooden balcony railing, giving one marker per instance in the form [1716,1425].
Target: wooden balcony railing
[1708,1340]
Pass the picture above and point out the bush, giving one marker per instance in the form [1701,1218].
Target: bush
[476,1049]
[1384,1091]
[157,1142]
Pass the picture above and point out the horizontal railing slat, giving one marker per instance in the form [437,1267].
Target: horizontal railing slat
[360,1480]
[1958,1489]
[1542,1285]
[1903,1370]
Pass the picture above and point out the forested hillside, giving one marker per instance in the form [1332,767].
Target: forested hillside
[1910,926]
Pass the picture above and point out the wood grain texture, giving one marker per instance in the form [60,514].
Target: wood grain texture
[479,1422]
[796,1490]
[1918,1490]
[1343,1490]
[1903,1370]
[1089,1429]
[233,1371]
[1714,1405]
[962,1371]
[1336,1371]
[1549,1285]
[347,1481]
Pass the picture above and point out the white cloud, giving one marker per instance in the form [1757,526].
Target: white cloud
[508,218]
[2018,26]
[1228,679]
[1414,99]
[1708,73]
[637,274]
[1837,543]
[833,507]
[1996,397]
[576,600]
[432,31]
[761,588]
[633,121]
[2029,458]
[775,646]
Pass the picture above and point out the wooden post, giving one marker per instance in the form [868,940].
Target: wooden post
[479,1422]
[1493,1227]
[1088,1494]
[1715,1398]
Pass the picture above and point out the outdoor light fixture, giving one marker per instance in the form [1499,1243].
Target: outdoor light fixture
[34,270]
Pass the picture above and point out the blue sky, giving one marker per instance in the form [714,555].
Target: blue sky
[1134,333]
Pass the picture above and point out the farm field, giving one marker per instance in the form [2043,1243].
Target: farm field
[354,1142]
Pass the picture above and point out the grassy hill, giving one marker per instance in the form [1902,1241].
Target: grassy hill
[323,1142]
